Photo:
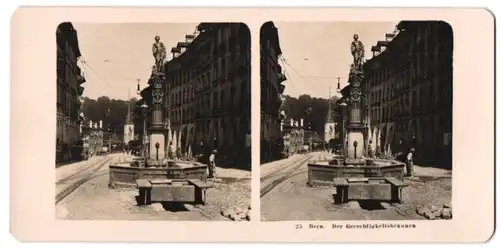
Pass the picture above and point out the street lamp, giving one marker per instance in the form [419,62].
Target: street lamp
[144,108]
[138,88]
[343,106]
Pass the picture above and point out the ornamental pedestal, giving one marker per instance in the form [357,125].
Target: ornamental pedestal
[157,131]
[355,137]
[353,176]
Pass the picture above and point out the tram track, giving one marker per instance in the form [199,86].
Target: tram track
[85,168]
[85,174]
[281,166]
[280,178]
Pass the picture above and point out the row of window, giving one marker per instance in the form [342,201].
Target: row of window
[425,97]
[224,68]
[67,130]
[229,96]
[427,129]
[426,68]
[270,77]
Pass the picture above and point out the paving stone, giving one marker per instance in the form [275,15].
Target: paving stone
[242,215]
[429,215]
[446,213]
[433,208]
[228,213]
[422,210]
[238,210]
[158,207]
[354,205]
[249,215]
[189,207]
[386,205]
[236,218]
[437,211]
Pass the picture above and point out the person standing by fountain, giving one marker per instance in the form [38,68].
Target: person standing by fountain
[409,163]
[370,150]
[169,150]
[211,165]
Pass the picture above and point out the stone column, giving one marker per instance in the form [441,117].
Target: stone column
[156,130]
[355,136]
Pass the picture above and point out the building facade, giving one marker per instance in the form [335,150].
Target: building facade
[208,93]
[69,91]
[92,137]
[293,137]
[128,127]
[408,92]
[272,88]
[330,133]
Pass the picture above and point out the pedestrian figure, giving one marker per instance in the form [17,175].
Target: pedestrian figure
[370,150]
[169,150]
[409,163]
[211,165]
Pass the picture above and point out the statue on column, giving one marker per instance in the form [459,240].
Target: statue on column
[357,51]
[159,52]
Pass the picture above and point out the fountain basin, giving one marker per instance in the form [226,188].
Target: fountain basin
[323,173]
[125,175]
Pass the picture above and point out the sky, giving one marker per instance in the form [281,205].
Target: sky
[318,53]
[119,54]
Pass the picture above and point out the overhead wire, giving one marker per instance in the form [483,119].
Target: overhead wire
[285,62]
[289,78]
[84,62]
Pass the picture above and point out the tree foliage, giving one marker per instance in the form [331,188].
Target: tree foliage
[313,110]
[112,112]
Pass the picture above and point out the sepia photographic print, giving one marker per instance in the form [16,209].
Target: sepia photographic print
[153,121]
[356,120]
[291,125]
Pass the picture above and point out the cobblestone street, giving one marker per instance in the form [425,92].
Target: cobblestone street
[95,201]
[292,199]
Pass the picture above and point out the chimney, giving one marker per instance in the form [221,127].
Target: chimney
[389,36]
[190,37]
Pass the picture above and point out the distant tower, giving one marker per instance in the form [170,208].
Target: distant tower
[329,122]
[128,128]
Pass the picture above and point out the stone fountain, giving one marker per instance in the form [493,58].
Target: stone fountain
[354,175]
[156,166]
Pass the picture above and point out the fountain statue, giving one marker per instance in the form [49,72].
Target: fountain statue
[155,165]
[357,51]
[159,53]
[354,176]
